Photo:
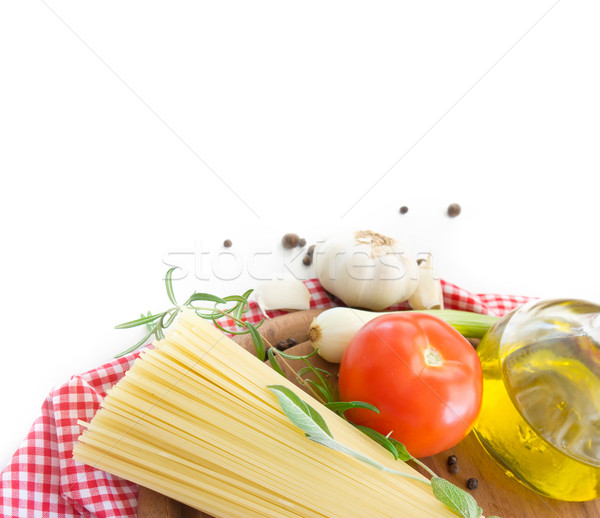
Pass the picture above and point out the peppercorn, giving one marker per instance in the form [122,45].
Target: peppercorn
[454,210]
[286,344]
[290,240]
[403,209]
[227,243]
[453,459]
[308,258]
[302,242]
[472,483]
[453,469]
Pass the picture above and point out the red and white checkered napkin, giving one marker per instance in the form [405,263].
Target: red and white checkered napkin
[42,480]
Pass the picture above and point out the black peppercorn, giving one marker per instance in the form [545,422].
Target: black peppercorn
[454,210]
[403,209]
[290,240]
[307,260]
[472,483]
[286,344]
[302,242]
[453,459]
[453,469]
[311,250]
[227,243]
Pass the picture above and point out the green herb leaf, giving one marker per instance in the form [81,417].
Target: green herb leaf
[243,306]
[143,341]
[455,498]
[156,324]
[273,361]
[341,406]
[158,330]
[259,344]
[169,285]
[380,439]
[401,449]
[301,414]
[289,356]
[322,387]
[204,296]
[235,298]
[139,322]
[312,369]
[396,448]
[169,321]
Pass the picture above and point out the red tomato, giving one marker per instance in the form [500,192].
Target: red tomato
[423,376]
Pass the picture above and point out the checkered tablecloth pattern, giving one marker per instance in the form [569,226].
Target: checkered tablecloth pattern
[43,481]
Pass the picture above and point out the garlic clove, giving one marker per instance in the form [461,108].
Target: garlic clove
[429,294]
[331,331]
[282,294]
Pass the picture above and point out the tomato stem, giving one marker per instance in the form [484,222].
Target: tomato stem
[433,358]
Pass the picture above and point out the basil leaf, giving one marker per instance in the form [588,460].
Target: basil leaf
[461,502]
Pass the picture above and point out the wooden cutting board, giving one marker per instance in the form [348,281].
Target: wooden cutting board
[498,494]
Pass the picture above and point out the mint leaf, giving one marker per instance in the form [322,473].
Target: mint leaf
[301,414]
[461,502]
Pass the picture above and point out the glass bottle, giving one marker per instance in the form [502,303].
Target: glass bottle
[540,416]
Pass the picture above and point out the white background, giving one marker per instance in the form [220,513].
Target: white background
[134,135]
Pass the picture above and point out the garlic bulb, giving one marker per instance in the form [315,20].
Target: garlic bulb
[284,294]
[366,270]
[428,294]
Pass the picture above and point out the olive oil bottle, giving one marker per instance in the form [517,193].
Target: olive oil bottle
[540,415]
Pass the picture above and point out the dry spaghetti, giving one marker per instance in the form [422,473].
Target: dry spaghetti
[193,419]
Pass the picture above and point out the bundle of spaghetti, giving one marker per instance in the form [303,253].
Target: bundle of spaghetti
[194,419]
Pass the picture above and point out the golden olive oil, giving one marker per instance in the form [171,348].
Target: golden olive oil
[540,415]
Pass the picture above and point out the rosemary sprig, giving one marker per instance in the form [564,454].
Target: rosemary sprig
[232,307]
[319,387]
